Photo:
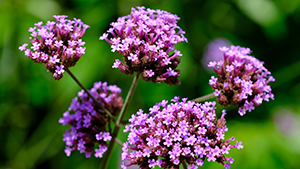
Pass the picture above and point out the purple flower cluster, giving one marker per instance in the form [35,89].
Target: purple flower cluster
[241,80]
[146,39]
[177,132]
[58,45]
[88,122]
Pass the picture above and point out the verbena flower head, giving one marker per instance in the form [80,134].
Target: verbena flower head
[146,39]
[176,132]
[58,44]
[88,122]
[241,80]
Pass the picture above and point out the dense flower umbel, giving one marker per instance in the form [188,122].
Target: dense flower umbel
[176,132]
[241,80]
[88,123]
[58,45]
[146,39]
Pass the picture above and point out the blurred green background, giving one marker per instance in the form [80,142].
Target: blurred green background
[31,101]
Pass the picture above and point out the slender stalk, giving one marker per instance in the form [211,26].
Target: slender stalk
[89,94]
[118,123]
[109,126]
[124,122]
[128,98]
[204,98]
[119,142]
[184,164]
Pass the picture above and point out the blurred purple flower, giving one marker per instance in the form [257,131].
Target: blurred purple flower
[241,80]
[174,132]
[88,123]
[286,122]
[146,39]
[58,45]
[212,52]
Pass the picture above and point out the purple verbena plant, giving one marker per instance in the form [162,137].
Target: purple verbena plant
[146,39]
[175,133]
[241,80]
[180,133]
[58,45]
[88,122]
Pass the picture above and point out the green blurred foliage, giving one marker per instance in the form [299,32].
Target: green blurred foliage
[31,101]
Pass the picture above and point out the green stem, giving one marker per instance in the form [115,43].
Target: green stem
[89,94]
[184,164]
[118,123]
[204,98]
[119,142]
[128,98]
[124,122]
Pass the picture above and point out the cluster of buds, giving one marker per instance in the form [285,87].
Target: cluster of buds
[146,39]
[175,133]
[88,122]
[58,45]
[241,80]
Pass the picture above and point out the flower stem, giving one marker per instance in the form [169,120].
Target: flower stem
[118,123]
[184,164]
[89,94]
[128,98]
[204,98]
[119,142]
